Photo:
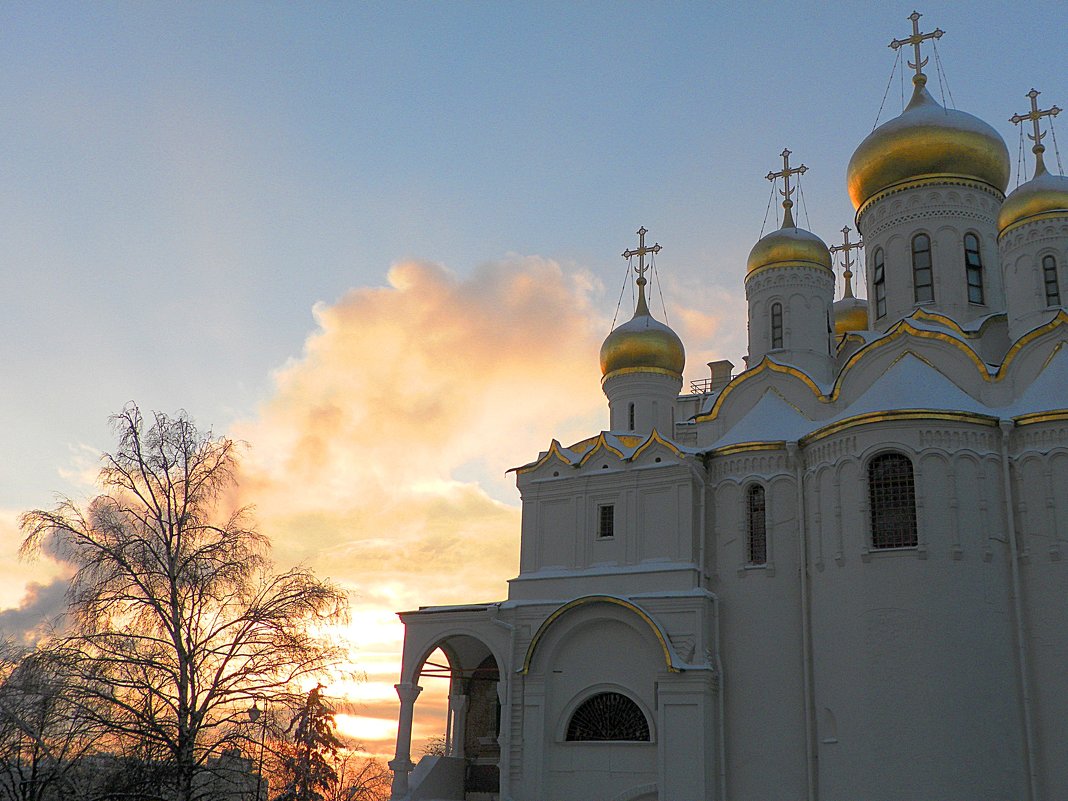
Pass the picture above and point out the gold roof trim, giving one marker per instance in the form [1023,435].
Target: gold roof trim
[629,370]
[655,438]
[1055,416]
[900,415]
[742,447]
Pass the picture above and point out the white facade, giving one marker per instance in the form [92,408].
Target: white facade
[838,576]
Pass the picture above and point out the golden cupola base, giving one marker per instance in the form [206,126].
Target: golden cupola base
[926,143]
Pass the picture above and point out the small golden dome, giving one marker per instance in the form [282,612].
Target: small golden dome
[786,247]
[643,343]
[927,141]
[1044,195]
[850,314]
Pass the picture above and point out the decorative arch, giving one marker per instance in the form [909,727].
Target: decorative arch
[658,632]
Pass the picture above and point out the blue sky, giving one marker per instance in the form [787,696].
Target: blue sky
[182,182]
[196,196]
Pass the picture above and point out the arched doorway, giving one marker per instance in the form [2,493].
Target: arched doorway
[472,720]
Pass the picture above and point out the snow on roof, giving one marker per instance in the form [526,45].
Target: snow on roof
[1047,392]
[911,383]
[772,419]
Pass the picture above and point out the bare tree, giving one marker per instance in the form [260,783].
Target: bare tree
[44,735]
[177,622]
[360,778]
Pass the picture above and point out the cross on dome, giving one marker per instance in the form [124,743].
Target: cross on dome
[915,41]
[786,191]
[640,252]
[1034,115]
[845,248]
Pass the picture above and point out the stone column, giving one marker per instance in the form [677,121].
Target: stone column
[401,765]
[458,724]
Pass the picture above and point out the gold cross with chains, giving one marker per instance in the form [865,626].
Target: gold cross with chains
[640,252]
[786,191]
[1034,116]
[915,40]
[845,248]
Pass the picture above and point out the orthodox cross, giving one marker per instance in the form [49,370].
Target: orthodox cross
[844,249]
[786,191]
[1034,116]
[640,252]
[915,40]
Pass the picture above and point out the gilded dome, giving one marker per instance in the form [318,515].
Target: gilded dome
[643,343]
[850,314]
[1044,195]
[927,141]
[789,246]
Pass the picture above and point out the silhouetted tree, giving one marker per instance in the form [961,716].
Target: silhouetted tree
[308,762]
[177,621]
[44,734]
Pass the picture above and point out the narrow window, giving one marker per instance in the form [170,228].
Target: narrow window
[973,263]
[756,525]
[608,716]
[630,416]
[606,520]
[1049,277]
[922,279]
[879,273]
[892,494]
[776,325]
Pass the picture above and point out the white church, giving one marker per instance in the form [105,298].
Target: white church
[839,574]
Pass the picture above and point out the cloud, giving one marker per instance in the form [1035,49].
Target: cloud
[40,607]
[381,458]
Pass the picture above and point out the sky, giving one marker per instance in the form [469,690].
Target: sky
[379,243]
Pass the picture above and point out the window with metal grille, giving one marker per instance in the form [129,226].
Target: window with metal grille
[922,276]
[879,277]
[776,325]
[606,520]
[973,263]
[892,495]
[1049,278]
[608,716]
[757,525]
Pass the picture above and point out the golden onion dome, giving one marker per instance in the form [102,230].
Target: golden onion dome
[850,314]
[927,141]
[1045,195]
[787,247]
[643,344]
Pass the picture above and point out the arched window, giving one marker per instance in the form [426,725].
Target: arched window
[776,325]
[973,264]
[879,277]
[922,276]
[608,716]
[1049,278]
[756,525]
[892,495]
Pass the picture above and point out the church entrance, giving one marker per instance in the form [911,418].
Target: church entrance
[469,746]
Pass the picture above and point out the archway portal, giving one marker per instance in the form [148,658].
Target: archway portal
[473,718]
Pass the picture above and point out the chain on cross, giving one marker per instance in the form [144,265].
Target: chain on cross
[845,248]
[786,191]
[1034,115]
[915,41]
[640,252]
